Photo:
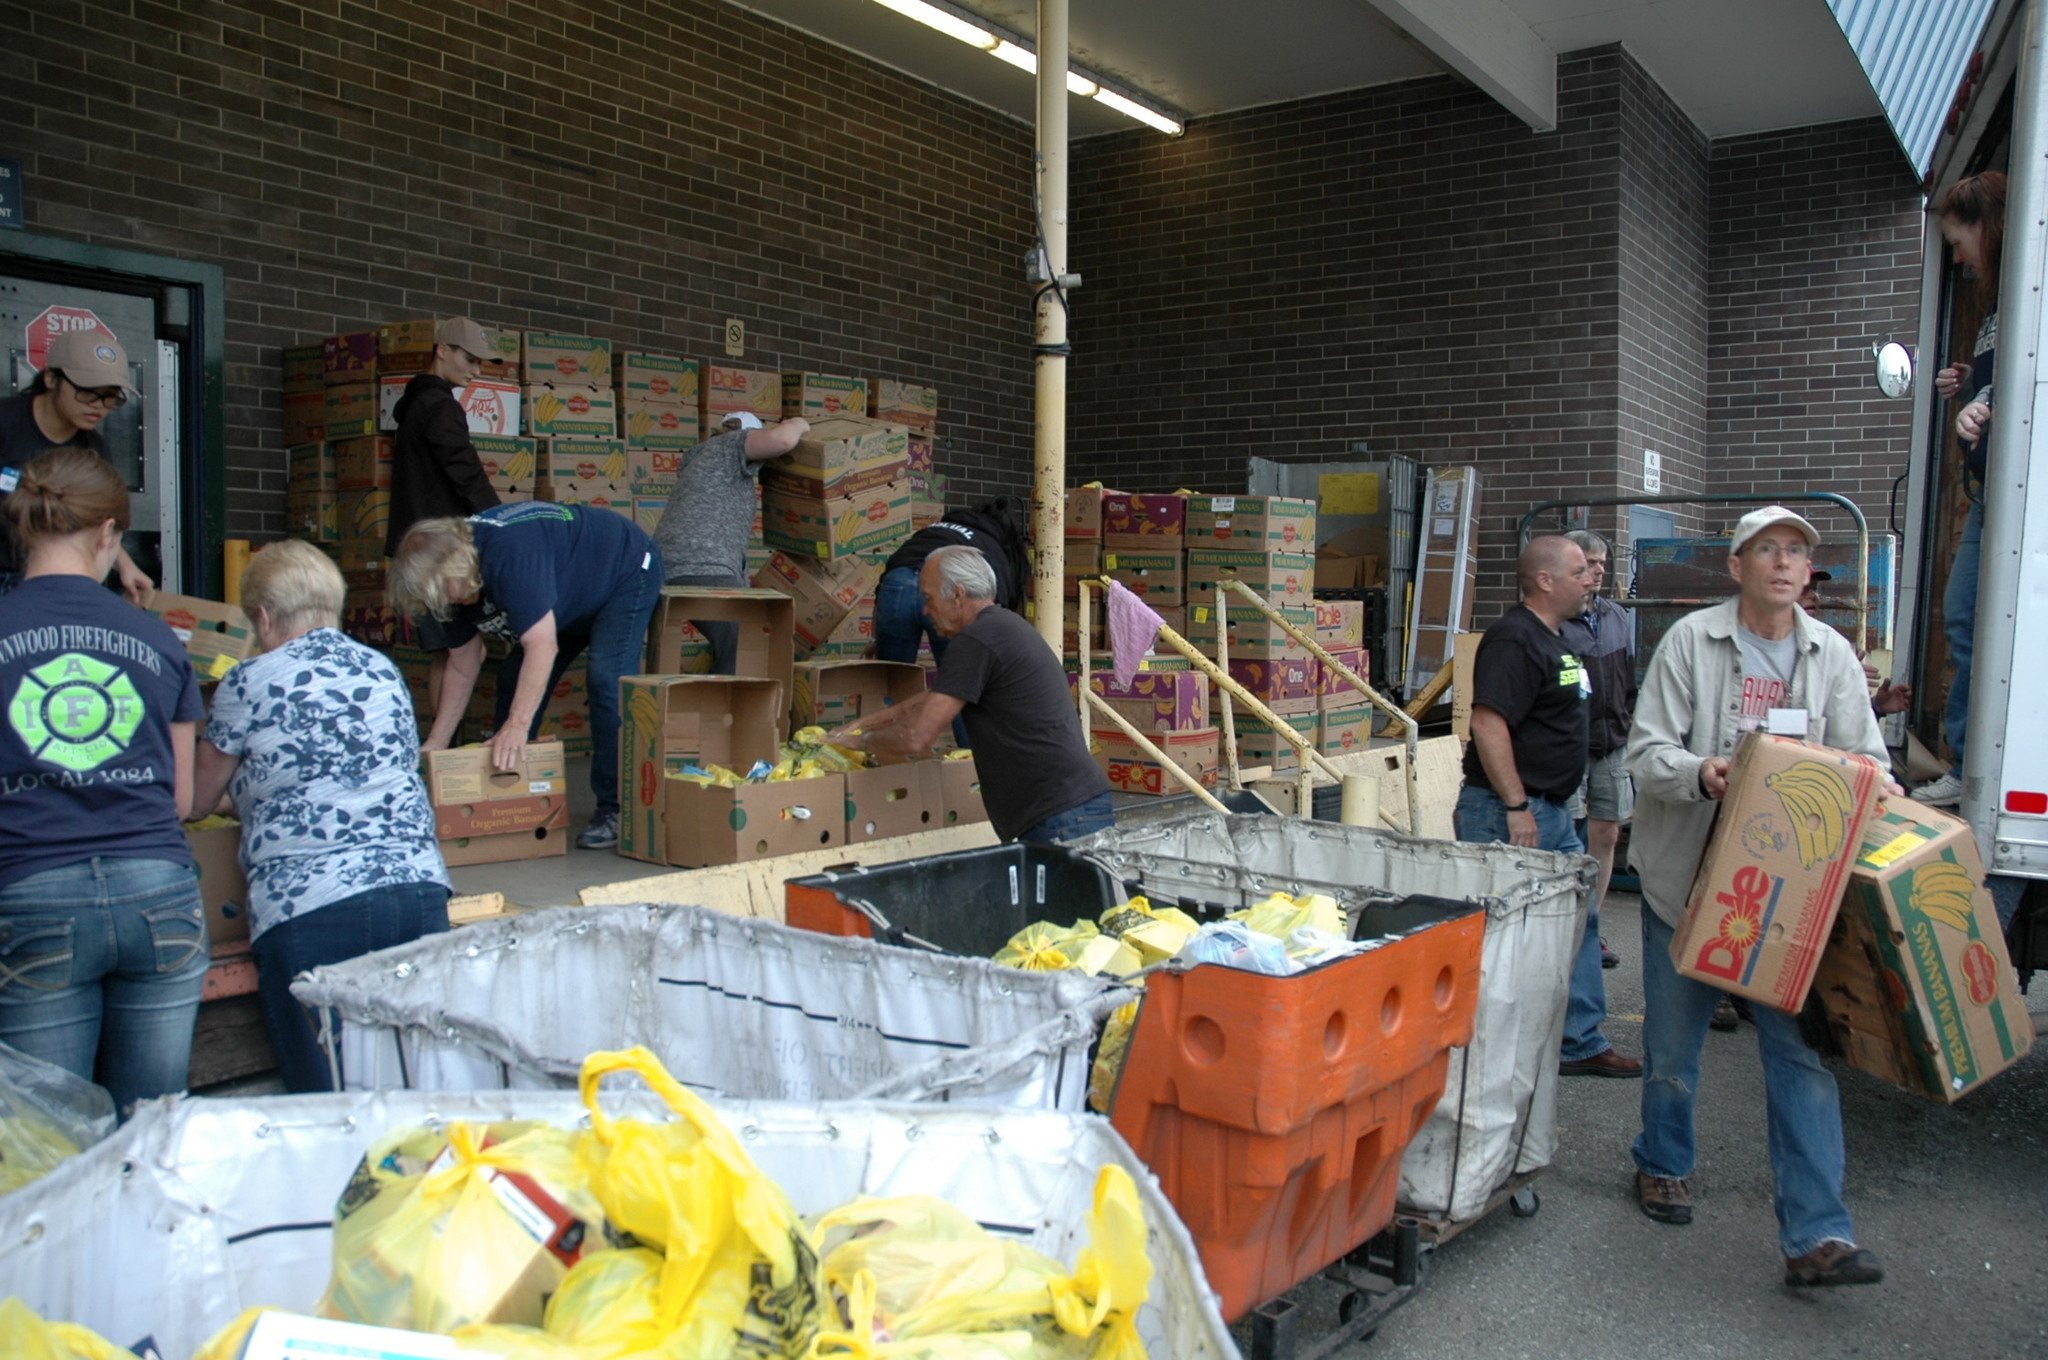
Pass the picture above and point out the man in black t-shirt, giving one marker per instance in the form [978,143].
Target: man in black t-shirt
[1528,753]
[1037,779]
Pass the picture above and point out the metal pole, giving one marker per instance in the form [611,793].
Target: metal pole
[1049,330]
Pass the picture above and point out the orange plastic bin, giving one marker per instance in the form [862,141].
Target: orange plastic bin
[1274,1110]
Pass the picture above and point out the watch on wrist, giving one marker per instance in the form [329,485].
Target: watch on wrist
[1522,806]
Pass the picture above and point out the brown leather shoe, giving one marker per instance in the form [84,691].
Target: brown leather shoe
[1831,1263]
[1608,1064]
[1664,1198]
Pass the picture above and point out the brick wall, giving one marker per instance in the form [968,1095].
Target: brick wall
[633,170]
[1815,253]
[1407,267]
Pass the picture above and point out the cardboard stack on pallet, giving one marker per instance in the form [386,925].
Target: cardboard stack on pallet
[841,492]
[914,406]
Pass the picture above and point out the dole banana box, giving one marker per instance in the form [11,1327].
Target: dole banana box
[1916,983]
[651,426]
[1253,524]
[727,389]
[905,403]
[651,469]
[570,410]
[838,525]
[1332,689]
[815,396]
[668,722]
[823,592]
[1764,901]
[350,411]
[305,416]
[547,357]
[1132,769]
[1155,577]
[1154,701]
[1340,623]
[1145,523]
[1285,580]
[512,462]
[656,379]
[840,456]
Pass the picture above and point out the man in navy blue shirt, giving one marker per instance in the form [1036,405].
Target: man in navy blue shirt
[558,580]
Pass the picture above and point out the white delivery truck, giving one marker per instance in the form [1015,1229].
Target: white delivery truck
[1998,121]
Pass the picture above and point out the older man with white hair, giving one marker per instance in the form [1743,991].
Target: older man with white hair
[1037,779]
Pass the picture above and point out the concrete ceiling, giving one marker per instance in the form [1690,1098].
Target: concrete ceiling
[1734,66]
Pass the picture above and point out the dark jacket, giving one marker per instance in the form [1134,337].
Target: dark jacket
[1609,654]
[994,534]
[434,467]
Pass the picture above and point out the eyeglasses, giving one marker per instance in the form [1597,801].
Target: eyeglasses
[1791,552]
[99,398]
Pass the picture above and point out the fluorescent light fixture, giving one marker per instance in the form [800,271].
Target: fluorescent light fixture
[1024,59]
[945,21]
[951,22]
[1131,108]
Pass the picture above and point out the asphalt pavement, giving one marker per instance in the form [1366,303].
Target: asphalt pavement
[1953,1199]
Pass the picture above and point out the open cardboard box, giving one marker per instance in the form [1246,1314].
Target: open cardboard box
[486,816]
[223,891]
[216,636]
[670,721]
[960,790]
[822,593]
[897,799]
[830,694]
[766,649]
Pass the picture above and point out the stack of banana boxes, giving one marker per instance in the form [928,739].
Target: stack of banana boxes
[1865,914]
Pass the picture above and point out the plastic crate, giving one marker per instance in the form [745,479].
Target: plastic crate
[1274,1110]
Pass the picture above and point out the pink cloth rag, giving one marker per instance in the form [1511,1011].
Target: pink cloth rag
[1133,626]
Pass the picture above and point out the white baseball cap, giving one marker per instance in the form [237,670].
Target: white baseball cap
[1756,521]
[741,420]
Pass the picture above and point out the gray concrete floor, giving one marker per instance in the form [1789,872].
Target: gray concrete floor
[1953,1199]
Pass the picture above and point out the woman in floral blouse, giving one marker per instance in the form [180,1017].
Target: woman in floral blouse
[316,741]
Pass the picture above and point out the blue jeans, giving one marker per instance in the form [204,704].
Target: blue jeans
[1082,819]
[101,963]
[724,637]
[335,933]
[1959,625]
[1482,817]
[1803,1108]
[900,621]
[616,639]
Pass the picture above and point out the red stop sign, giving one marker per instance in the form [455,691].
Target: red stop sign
[56,321]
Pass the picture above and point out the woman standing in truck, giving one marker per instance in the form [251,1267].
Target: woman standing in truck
[1971,215]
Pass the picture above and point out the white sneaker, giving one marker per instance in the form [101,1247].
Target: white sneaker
[1946,791]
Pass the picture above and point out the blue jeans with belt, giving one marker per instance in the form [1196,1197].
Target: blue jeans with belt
[1082,819]
[101,964]
[1481,817]
[335,933]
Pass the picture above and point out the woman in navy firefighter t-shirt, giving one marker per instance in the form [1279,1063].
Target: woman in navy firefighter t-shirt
[102,938]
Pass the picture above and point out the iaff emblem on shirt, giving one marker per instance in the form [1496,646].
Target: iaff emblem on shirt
[1572,674]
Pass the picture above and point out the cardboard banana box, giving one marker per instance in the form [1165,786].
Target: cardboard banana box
[1772,878]
[1916,983]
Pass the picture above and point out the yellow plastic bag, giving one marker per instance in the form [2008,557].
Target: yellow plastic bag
[915,1268]
[514,1343]
[480,1228]
[1138,910]
[1043,947]
[47,1114]
[1281,915]
[1110,1055]
[25,1336]
[610,1304]
[738,1275]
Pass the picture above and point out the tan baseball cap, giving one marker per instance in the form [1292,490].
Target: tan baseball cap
[90,359]
[1756,521]
[466,334]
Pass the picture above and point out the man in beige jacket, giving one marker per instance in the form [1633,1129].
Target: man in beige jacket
[1718,673]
